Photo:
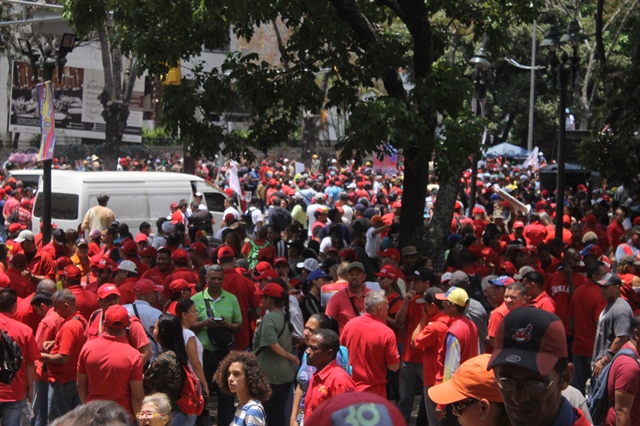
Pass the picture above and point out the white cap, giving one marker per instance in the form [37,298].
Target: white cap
[127,265]
[24,235]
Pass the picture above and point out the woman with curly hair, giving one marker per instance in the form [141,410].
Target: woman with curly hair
[240,374]
[166,372]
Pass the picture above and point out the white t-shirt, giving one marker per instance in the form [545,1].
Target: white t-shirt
[188,334]
[257,216]
[372,246]
[347,216]
[325,244]
[311,209]
[233,211]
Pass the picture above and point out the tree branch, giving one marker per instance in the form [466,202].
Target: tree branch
[599,42]
[620,28]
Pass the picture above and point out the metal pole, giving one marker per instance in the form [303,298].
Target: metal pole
[532,91]
[46,212]
[564,82]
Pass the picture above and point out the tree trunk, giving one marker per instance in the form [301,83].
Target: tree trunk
[414,196]
[440,228]
[115,115]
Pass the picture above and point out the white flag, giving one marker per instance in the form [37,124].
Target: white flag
[532,160]
[234,182]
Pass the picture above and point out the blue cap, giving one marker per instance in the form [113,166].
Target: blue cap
[318,273]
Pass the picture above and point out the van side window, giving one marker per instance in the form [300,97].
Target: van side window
[63,206]
[215,201]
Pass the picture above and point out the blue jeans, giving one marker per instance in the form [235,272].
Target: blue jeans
[410,377]
[181,419]
[11,412]
[62,399]
[40,403]
[581,372]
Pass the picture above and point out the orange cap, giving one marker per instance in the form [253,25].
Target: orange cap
[472,380]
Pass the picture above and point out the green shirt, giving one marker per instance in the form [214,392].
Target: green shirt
[278,370]
[226,306]
[299,214]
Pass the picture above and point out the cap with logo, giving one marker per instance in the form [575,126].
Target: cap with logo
[339,411]
[610,279]
[271,290]
[280,260]
[391,253]
[502,281]
[531,338]
[387,271]
[107,290]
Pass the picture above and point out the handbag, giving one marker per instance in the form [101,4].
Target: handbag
[221,338]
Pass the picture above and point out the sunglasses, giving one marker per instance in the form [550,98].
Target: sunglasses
[458,407]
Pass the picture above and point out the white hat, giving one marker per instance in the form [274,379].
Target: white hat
[24,235]
[127,265]
[309,264]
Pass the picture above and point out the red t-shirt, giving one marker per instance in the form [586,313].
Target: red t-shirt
[23,335]
[69,341]
[126,289]
[585,307]
[47,331]
[26,314]
[395,303]
[156,275]
[136,336]
[341,309]
[43,264]
[330,381]
[615,232]
[431,341]
[536,233]
[245,291]
[557,287]
[415,312]
[372,346]
[109,376]
[544,302]
[22,285]
[495,318]
[624,376]
[86,301]
[180,273]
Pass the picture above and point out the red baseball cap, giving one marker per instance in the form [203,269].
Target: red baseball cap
[518,224]
[100,262]
[178,285]
[336,410]
[387,271]
[226,251]
[116,316]
[198,247]
[272,290]
[266,275]
[16,227]
[391,253]
[263,266]
[173,205]
[130,248]
[141,237]
[107,290]
[179,256]
[279,260]
[148,252]
[72,272]
[146,286]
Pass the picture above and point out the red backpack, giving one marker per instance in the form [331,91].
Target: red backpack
[191,400]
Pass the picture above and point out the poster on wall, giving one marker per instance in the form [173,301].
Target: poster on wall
[75,99]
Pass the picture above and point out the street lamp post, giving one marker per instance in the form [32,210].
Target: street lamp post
[482,64]
[565,70]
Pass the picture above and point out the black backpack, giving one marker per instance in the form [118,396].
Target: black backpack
[246,217]
[10,358]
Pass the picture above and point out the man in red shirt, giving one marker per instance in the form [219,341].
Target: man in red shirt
[125,278]
[180,260]
[245,291]
[535,232]
[12,203]
[496,316]
[17,273]
[534,283]
[561,285]
[62,358]
[329,379]
[584,312]
[41,265]
[349,303]
[47,330]
[130,251]
[615,230]
[162,269]
[12,395]
[102,376]
[371,344]
[108,295]
[86,302]
[408,318]
[429,337]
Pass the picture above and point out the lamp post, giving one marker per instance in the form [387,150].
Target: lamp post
[481,62]
[565,70]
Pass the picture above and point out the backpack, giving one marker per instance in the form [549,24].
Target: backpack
[246,217]
[598,400]
[342,359]
[253,254]
[191,400]
[14,217]
[10,358]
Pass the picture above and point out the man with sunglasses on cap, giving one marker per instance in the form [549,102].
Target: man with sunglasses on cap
[531,366]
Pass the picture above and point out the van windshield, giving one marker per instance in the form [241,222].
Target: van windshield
[63,206]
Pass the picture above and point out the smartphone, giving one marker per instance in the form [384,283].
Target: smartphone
[218,319]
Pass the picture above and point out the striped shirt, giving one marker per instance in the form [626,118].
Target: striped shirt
[251,414]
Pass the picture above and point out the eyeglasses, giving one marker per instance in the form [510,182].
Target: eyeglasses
[459,406]
[532,386]
[148,415]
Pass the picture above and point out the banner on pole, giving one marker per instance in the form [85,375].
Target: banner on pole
[47,120]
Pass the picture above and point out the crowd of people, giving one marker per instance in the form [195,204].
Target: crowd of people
[304,294]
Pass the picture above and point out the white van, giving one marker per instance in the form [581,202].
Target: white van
[134,197]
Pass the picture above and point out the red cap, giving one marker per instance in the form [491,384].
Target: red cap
[179,256]
[107,290]
[266,275]
[376,219]
[518,224]
[263,266]
[226,251]
[477,210]
[334,410]
[173,205]
[176,217]
[198,247]
[391,253]
[458,205]
[279,260]
[100,262]
[130,248]
[71,272]
[178,285]
[387,271]
[349,255]
[16,227]
[271,289]
[141,237]
[19,261]
[228,217]
[116,316]
[566,219]
[148,252]
[590,218]
[147,286]
[396,205]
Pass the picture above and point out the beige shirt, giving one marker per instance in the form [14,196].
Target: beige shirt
[98,217]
